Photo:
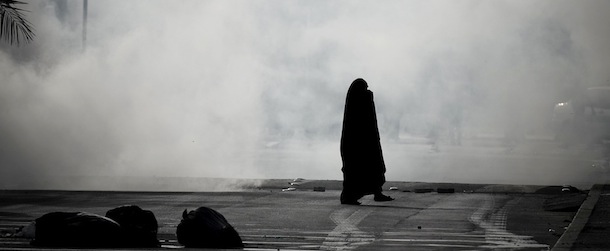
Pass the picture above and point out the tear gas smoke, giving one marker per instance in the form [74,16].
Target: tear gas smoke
[215,88]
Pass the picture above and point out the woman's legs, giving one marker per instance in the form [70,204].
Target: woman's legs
[349,198]
[351,192]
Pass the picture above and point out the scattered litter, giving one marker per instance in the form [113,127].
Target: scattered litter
[393,188]
[424,190]
[319,189]
[553,232]
[569,189]
[445,190]
[297,182]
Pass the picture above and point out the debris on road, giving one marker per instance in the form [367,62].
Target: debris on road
[207,228]
[445,190]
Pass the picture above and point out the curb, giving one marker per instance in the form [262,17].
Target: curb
[581,218]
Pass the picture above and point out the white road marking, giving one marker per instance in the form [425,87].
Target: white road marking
[494,224]
[346,235]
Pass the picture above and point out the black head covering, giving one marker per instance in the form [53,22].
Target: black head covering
[359,118]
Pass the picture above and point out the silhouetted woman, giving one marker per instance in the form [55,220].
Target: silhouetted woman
[363,165]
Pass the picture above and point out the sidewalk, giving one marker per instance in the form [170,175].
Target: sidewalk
[590,228]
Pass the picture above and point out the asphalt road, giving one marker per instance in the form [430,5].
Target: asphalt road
[487,217]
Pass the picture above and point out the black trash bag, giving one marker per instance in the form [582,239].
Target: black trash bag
[77,229]
[206,228]
[139,226]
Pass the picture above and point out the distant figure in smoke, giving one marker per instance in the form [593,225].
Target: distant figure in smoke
[363,165]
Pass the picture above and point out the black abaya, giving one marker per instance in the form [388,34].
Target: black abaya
[363,165]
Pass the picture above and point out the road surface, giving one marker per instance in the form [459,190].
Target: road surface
[488,217]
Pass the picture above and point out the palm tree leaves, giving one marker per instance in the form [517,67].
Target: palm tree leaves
[14,28]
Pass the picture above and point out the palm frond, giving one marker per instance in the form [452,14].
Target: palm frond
[14,28]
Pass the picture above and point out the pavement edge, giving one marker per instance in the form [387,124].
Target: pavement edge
[581,218]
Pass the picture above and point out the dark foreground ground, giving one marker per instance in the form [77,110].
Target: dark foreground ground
[423,216]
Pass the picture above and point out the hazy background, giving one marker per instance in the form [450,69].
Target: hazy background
[255,89]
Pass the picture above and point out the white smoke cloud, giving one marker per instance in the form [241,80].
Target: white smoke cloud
[196,88]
